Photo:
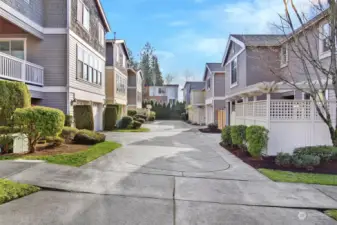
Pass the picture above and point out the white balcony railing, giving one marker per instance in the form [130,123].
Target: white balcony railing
[13,68]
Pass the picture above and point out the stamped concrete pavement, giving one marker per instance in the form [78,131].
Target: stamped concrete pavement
[171,175]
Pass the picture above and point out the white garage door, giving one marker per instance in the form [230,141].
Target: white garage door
[98,115]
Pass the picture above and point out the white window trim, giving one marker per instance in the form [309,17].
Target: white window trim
[24,45]
[287,56]
[117,53]
[230,75]
[322,55]
[82,24]
[101,34]
[208,79]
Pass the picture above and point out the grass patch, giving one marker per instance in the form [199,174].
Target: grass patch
[10,190]
[71,159]
[332,213]
[142,129]
[306,178]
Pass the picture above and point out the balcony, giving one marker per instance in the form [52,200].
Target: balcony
[13,68]
[197,97]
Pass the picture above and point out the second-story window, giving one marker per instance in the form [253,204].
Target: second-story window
[101,34]
[89,67]
[234,65]
[83,15]
[208,83]
[161,90]
[120,84]
[325,37]
[284,55]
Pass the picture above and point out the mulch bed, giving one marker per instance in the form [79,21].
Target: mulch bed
[268,162]
[211,131]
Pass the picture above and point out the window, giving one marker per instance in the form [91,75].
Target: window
[234,65]
[101,34]
[284,55]
[15,48]
[161,90]
[120,84]
[208,83]
[325,37]
[79,69]
[83,14]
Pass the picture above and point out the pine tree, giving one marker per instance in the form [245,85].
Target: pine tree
[133,62]
[145,64]
[156,73]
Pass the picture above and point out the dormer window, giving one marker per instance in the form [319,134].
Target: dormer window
[284,55]
[234,66]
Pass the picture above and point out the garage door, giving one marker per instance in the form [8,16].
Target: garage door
[98,114]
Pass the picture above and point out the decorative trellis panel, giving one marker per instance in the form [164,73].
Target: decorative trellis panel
[239,109]
[249,109]
[260,109]
[290,110]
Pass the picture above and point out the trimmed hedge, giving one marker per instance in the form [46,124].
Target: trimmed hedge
[125,122]
[88,137]
[140,120]
[68,120]
[325,153]
[37,122]
[55,141]
[212,126]
[132,112]
[13,95]
[257,140]
[68,133]
[9,130]
[110,117]
[226,136]
[136,125]
[283,159]
[306,161]
[141,116]
[83,116]
[238,135]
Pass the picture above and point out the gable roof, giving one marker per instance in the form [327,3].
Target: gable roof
[123,43]
[195,84]
[212,68]
[102,14]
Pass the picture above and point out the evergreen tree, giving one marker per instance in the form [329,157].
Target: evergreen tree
[145,63]
[156,73]
[133,62]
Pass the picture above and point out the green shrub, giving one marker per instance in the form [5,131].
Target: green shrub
[6,143]
[83,116]
[68,133]
[226,136]
[132,112]
[13,95]
[238,135]
[140,120]
[136,125]
[212,126]
[306,161]
[88,137]
[37,122]
[110,117]
[257,140]
[183,116]
[152,115]
[325,153]
[68,120]
[125,122]
[55,141]
[283,159]
[9,129]
[144,117]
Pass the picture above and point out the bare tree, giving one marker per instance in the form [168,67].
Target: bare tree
[313,76]
[188,75]
[168,78]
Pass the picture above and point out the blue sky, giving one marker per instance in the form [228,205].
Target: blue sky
[188,33]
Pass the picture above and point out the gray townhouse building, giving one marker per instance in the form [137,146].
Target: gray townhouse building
[57,47]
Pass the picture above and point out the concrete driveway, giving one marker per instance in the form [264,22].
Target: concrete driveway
[171,175]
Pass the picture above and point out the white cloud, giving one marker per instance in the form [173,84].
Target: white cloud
[178,23]
[164,55]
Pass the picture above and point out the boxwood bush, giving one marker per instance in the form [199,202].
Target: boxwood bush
[306,161]
[68,120]
[140,120]
[83,116]
[68,133]
[283,159]
[37,122]
[13,95]
[136,125]
[88,137]
[110,117]
[132,112]
[257,140]
[238,135]
[226,136]
[125,122]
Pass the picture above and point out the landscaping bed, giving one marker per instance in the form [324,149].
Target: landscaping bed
[269,163]
[211,131]
[10,190]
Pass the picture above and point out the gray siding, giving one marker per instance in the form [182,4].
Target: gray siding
[51,53]
[36,94]
[55,100]
[241,74]
[132,80]
[233,49]
[259,62]
[209,93]
[34,10]
[90,37]
[109,54]
[219,85]
[132,97]
[55,13]
[111,57]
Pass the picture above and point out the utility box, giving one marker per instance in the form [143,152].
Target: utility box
[20,143]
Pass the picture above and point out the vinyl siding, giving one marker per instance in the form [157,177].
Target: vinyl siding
[34,10]
[132,80]
[109,54]
[219,85]
[55,13]
[36,94]
[209,93]
[110,84]
[233,49]
[132,96]
[241,74]
[55,100]
[78,84]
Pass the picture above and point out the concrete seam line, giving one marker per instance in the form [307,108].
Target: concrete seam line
[174,201]
[324,193]
[12,174]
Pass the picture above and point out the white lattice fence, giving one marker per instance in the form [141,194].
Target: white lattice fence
[290,110]
[249,109]
[260,108]
[239,110]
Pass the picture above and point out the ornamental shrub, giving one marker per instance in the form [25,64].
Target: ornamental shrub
[37,122]
[140,120]
[136,125]
[83,117]
[13,95]
[325,153]
[141,116]
[257,139]
[54,141]
[9,130]
[132,112]
[226,136]
[126,121]
[283,159]
[306,161]
[212,126]
[88,137]
[238,135]
[110,118]
[68,133]
[68,120]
